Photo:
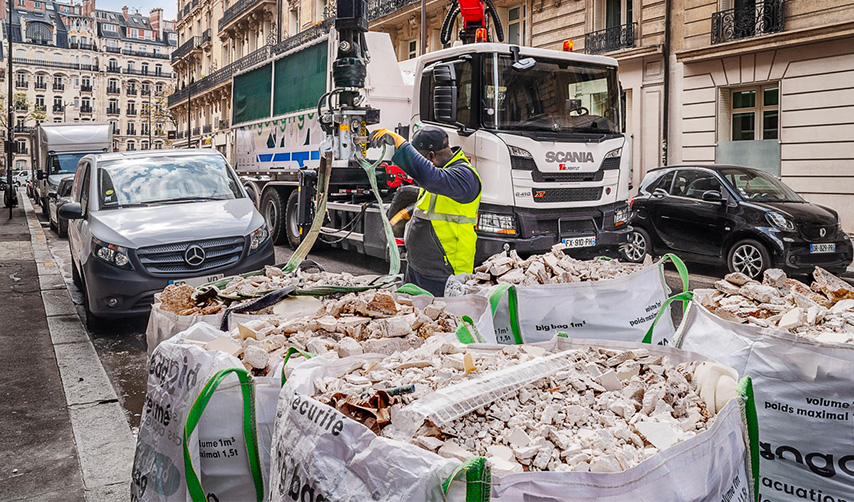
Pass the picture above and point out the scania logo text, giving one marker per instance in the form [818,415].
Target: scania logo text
[569,157]
[194,255]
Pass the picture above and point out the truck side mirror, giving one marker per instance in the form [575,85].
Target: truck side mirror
[40,174]
[445,94]
[71,211]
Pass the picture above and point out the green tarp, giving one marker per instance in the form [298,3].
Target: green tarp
[252,94]
[300,79]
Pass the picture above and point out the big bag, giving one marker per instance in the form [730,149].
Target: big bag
[206,422]
[618,309]
[804,403]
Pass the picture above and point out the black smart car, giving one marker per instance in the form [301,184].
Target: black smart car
[740,216]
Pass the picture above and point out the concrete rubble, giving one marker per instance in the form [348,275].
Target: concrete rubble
[554,267]
[607,412]
[823,311]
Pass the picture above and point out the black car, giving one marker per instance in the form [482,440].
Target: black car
[740,216]
[56,200]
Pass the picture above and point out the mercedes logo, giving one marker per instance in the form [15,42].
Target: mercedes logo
[822,232]
[194,255]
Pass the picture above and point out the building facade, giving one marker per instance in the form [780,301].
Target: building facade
[76,63]
[769,84]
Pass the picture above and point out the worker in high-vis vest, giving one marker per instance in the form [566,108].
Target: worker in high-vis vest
[440,238]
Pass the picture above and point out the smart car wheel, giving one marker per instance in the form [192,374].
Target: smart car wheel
[748,257]
[639,245]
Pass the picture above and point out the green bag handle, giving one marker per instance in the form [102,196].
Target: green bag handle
[467,331]
[250,435]
[412,289]
[681,268]
[748,413]
[512,306]
[684,297]
[393,252]
[478,479]
[292,351]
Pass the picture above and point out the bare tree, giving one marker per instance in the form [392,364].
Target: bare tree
[159,116]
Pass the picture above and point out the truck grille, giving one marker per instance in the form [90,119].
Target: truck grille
[168,259]
[541,177]
[813,232]
[567,194]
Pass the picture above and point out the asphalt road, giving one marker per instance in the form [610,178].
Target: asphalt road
[121,343]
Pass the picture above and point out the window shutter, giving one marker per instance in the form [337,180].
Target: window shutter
[724,115]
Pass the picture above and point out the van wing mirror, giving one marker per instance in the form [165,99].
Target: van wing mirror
[445,94]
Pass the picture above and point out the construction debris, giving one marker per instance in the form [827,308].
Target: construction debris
[823,311]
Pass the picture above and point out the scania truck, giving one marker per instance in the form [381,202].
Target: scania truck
[542,128]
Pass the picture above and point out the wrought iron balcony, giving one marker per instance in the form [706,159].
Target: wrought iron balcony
[610,39]
[114,50]
[131,131]
[88,109]
[57,108]
[112,110]
[234,12]
[206,36]
[41,85]
[80,45]
[131,91]
[114,69]
[52,64]
[131,112]
[381,8]
[303,37]
[761,18]
[85,88]
[21,84]
[58,87]
[22,151]
[24,129]
[113,90]
[185,48]
[132,71]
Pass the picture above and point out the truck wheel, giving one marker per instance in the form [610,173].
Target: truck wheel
[273,211]
[292,221]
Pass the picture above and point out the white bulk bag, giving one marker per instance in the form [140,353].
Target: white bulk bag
[804,403]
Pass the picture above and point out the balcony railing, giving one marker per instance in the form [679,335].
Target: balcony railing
[131,132]
[114,50]
[41,86]
[380,8]
[86,109]
[206,36]
[187,8]
[53,64]
[132,71]
[58,87]
[234,12]
[761,18]
[131,92]
[185,48]
[85,88]
[114,69]
[222,75]
[206,129]
[145,92]
[610,39]
[21,84]
[22,151]
[24,129]
[131,112]
[113,90]
[20,107]
[57,108]
[116,131]
[112,110]
[304,36]
[90,46]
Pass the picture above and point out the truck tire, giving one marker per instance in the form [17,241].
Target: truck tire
[274,212]
[291,220]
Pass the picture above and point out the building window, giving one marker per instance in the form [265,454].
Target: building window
[57,104]
[144,145]
[22,146]
[57,120]
[516,25]
[411,48]
[37,5]
[612,13]
[293,21]
[39,33]
[110,27]
[755,113]
[158,70]
[158,88]
[131,146]
[144,68]
[133,33]
[39,102]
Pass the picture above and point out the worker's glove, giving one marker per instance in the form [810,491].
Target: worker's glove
[385,137]
[716,384]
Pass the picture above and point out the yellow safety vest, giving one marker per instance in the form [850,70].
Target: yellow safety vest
[452,222]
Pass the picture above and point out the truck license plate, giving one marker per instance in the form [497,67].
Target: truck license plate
[580,242]
[829,247]
[197,281]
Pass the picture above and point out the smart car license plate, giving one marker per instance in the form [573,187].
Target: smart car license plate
[829,247]
[580,242]
[197,281]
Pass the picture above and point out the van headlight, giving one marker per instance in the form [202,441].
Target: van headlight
[112,254]
[780,221]
[495,223]
[258,237]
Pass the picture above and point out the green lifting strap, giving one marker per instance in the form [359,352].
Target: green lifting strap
[478,479]
[412,289]
[748,414]
[323,175]
[393,252]
[250,434]
[292,351]
[512,307]
[681,268]
[467,331]
[684,297]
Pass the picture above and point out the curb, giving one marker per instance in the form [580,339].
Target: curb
[102,435]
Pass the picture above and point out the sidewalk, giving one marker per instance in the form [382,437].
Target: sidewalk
[64,435]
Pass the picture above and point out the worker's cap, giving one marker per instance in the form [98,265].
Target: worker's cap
[430,139]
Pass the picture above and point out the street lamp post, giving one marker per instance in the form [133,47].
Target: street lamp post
[9,197]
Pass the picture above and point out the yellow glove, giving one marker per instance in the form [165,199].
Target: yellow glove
[384,136]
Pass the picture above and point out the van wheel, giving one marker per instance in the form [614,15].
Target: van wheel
[92,321]
[292,220]
[273,211]
[75,277]
[748,257]
[639,245]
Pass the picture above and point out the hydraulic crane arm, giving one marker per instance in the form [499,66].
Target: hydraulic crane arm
[476,14]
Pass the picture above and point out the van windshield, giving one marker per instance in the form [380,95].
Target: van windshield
[163,180]
[63,162]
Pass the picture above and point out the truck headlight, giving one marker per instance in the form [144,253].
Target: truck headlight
[494,223]
[779,221]
[519,152]
[614,153]
[621,216]
[112,254]
[258,237]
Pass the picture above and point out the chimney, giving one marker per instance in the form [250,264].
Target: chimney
[88,8]
[125,11]
[155,15]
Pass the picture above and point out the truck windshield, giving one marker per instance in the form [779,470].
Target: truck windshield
[552,95]
[163,180]
[63,162]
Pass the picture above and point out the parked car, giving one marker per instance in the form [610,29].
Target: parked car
[21,178]
[142,220]
[740,216]
[56,200]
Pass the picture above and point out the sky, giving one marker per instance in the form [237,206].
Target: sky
[170,7]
